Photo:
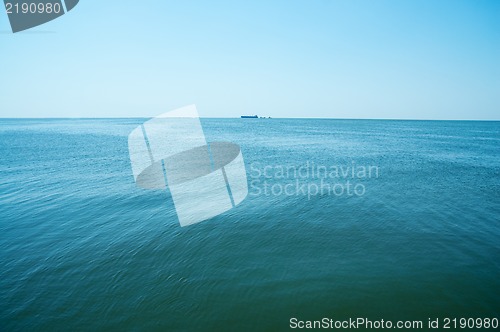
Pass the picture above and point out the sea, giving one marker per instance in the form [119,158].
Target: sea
[344,219]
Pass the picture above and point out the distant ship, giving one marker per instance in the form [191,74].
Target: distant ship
[249,116]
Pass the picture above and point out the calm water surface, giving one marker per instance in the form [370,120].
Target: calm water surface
[81,247]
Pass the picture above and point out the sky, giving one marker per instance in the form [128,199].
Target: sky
[310,58]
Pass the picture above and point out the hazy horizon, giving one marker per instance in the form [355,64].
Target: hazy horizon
[238,117]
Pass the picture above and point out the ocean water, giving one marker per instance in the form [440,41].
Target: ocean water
[82,248]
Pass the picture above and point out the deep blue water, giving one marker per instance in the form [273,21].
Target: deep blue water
[81,247]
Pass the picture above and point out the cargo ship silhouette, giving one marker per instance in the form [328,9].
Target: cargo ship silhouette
[249,116]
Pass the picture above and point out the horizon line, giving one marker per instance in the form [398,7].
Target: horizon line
[263,118]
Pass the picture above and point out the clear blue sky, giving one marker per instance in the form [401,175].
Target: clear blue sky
[340,59]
